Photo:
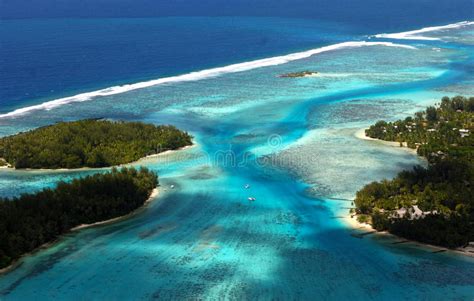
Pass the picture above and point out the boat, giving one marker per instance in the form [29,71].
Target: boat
[247,186]
[251,199]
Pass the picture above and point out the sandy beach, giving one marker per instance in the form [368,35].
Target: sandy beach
[360,134]
[10,168]
[164,153]
[352,222]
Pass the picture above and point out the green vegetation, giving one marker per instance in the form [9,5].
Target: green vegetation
[32,220]
[433,205]
[89,143]
[299,74]
[437,133]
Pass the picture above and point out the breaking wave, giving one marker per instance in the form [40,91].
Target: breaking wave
[195,76]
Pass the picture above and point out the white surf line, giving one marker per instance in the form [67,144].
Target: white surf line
[414,34]
[195,76]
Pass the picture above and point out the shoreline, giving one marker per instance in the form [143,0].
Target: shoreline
[153,195]
[166,152]
[12,169]
[353,223]
[360,134]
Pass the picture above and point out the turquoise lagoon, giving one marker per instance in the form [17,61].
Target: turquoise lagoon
[294,142]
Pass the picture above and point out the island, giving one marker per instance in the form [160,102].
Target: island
[433,205]
[32,220]
[299,74]
[89,143]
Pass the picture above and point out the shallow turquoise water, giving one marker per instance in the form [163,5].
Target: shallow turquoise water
[293,141]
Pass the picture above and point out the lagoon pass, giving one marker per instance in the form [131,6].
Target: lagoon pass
[290,145]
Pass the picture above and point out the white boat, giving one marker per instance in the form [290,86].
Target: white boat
[247,186]
[172,186]
[251,199]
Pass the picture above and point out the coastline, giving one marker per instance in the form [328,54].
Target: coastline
[360,134]
[352,222]
[170,151]
[10,168]
[153,195]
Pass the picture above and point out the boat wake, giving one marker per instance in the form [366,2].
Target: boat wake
[195,76]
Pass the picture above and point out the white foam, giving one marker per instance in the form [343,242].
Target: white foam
[415,34]
[194,76]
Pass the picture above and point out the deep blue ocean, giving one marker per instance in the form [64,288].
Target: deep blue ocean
[51,49]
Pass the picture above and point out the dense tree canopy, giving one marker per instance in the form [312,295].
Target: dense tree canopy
[31,220]
[443,192]
[437,133]
[89,143]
